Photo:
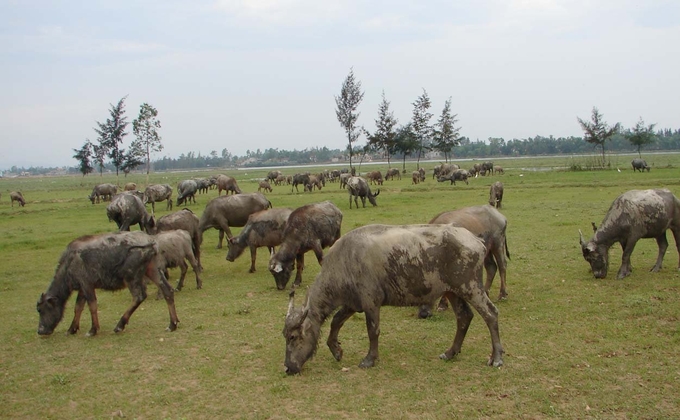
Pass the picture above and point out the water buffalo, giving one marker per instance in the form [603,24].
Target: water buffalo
[415,177]
[272,175]
[103,192]
[264,185]
[392,173]
[130,186]
[110,261]
[496,194]
[158,192]
[18,197]
[358,188]
[634,215]
[375,177]
[231,211]
[174,247]
[314,181]
[203,185]
[264,228]
[127,210]
[343,179]
[311,227]
[184,219]
[378,265]
[639,165]
[499,170]
[487,166]
[490,226]
[186,192]
[455,175]
[228,184]
[300,179]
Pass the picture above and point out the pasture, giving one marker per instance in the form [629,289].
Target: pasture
[576,347]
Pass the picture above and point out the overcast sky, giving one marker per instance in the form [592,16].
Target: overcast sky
[249,74]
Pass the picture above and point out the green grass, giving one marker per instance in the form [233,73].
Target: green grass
[576,347]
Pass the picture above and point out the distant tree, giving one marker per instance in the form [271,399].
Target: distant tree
[99,153]
[641,135]
[135,156]
[385,137]
[84,156]
[145,127]
[347,104]
[420,123]
[597,132]
[446,136]
[112,132]
[406,142]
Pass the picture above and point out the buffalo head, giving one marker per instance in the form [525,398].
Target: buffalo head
[300,341]
[51,312]
[596,255]
[371,198]
[281,269]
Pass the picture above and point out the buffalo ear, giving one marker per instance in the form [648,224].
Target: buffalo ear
[581,241]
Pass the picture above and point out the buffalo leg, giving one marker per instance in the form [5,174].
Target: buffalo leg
[159,280]
[676,235]
[373,328]
[491,267]
[196,266]
[224,228]
[338,321]
[138,292]
[92,305]
[300,262]
[253,257]
[80,305]
[183,273]
[478,299]
[464,317]
[626,268]
[663,246]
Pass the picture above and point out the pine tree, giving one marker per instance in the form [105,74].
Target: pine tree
[145,127]
[347,104]
[597,132]
[112,132]
[641,135]
[84,156]
[446,135]
[420,123]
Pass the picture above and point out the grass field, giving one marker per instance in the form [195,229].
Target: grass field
[576,347]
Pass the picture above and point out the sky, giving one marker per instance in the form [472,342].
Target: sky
[259,74]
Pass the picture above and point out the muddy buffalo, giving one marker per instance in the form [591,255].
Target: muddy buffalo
[127,210]
[634,215]
[110,261]
[358,188]
[379,265]
[228,211]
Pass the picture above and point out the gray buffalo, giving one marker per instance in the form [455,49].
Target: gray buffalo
[381,265]
[110,261]
[496,194]
[127,210]
[103,192]
[358,188]
[634,215]
[228,211]
[158,192]
[639,165]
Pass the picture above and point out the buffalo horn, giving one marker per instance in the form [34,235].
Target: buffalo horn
[290,303]
[376,194]
[580,234]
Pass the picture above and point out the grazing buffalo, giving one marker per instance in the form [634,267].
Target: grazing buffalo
[110,261]
[186,192]
[300,179]
[381,265]
[343,179]
[228,184]
[358,188]
[272,175]
[158,192]
[314,181]
[103,192]
[634,215]
[264,228]
[415,177]
[639,165]
[203,185]
[311,227]
[490,226]
[184,219]
[487,166]
[375,177]
[18,197]
[499,170]
[455,175]
[496,194]
[392,173]
[127,210]
[231,211]
[174,247]
[264,185]
[422,174]
[130,186]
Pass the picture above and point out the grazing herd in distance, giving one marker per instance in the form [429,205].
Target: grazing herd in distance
[368,267]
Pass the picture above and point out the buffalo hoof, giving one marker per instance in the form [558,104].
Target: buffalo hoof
[502,296]
[91,333]
[448,355]
[172,327]
[424,312]
[655,269]
[336,350]
[495,361]
[72,331]
[252,270]
[367,363]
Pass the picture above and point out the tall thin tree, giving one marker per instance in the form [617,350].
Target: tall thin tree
[421,123]
[641,135]
[84,158]
[597,132]
[145,127]
[385,136]
[347,104]
[446,134]
[112,132]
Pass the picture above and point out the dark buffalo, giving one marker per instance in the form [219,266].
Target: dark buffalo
[222,213]
[487,166]
[203,185]
[300,179]
[392,173]
[264,228]
[272,175]
[378,265]
[496,194]
[102,192]
[311,227]
[358,188]
[127,210]
[455,175]
[184,219]
[228,184]
[110,261]
[375,177]
[634,215]
[186,192]
[415,177]
[158,192]
[639,165]
[18,197]
[175,247]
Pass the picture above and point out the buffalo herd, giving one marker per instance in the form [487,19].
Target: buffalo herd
[369,267]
